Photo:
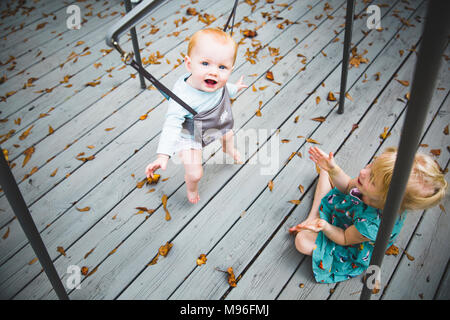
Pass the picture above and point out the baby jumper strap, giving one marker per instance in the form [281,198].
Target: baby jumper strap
[136,15]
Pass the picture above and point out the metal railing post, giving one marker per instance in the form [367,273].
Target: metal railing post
[346,53]
[434,41]
[135,42]
[22,213]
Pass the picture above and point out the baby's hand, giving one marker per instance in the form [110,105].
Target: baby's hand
[160,162]
[240,84]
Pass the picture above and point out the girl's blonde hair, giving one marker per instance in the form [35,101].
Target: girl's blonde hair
[426,185]
[218,34]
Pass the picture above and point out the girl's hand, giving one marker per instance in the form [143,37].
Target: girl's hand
[240,84]
[315,225]
[160,162]
[324,161]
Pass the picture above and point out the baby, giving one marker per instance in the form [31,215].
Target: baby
[210,60]
[343,223]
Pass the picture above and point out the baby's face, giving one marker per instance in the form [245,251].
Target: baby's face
[210,63]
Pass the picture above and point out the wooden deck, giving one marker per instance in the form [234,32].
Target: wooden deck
[239,222]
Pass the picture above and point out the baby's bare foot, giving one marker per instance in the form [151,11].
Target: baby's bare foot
[234,154]
[193,196]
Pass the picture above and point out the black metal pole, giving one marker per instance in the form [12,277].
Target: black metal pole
[346,53]
[22,213]
[435,32]
[135,42]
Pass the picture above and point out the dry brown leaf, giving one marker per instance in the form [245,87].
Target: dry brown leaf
[312,141]
[296,202]
[385,133]
[84,270]
[392,250]
[269,76]
[201,260]
[446,130]
[331,96]
[54,173]
[231,277]
[164,202]
[83,209]
[318,119]
[435,152]
[301,188]
[270,185]
[249,33]
[61,250]
[403,82]
[25,133]
[164,250]
[28,152]
[348,96]
[317,100]
[5,236]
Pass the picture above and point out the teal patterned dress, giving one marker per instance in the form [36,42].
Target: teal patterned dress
[332,262]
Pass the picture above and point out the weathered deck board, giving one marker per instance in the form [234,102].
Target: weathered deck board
[130,182]
[273,202]
[238,222]
[80,129]
[12,22]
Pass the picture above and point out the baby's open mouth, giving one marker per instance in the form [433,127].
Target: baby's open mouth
[210,81]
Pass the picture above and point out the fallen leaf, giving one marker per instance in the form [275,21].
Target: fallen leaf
[231,277]
[403,82]
[164,202]
[312,141]
[28,152]
[296,202]
[410,257]
[317,100]
[392,250]
[61,250]
[269,76]
[331,96]
[84,270]
[318,119]
[446,130]
[54,173]
[153,180]
[270,185]
[41,25]
[348,96]
[164,250]
[83,209]
[442,208]
[201,260]
[385,133]
[249,33]
[301,188]
[5,236]
[436,152]
[32,261]
[25,134]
